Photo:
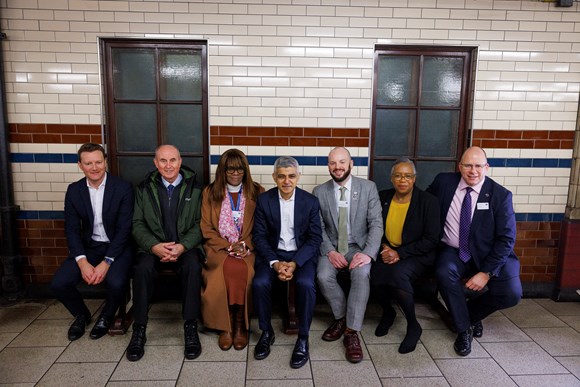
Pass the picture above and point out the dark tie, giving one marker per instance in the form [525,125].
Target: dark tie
[170,188]
[464,226]
[342,227]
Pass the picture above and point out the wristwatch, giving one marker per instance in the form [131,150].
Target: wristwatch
[109,261]
[490,274]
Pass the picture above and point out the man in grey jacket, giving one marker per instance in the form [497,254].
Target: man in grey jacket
[352,229]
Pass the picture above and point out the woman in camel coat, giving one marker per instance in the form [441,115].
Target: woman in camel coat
[227,218]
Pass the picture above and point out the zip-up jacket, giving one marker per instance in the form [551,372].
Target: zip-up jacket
[147,218]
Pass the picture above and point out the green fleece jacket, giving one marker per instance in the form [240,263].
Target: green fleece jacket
[147,221]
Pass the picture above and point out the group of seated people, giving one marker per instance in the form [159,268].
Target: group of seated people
[230,241]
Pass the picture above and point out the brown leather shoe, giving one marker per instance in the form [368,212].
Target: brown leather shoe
[240,331]
[335,331]
[225,340]
[354,353]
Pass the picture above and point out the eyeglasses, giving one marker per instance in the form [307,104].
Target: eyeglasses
[478,167]
[232,170]
[400,176]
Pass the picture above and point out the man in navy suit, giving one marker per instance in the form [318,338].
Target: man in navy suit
[485,257]
[287,236]
[98,212]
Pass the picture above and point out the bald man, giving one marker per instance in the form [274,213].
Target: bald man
[477,246]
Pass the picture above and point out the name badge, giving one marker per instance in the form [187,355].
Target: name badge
[237,214]
[342,204]
[483,206]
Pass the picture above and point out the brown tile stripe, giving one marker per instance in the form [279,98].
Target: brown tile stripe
[282,136]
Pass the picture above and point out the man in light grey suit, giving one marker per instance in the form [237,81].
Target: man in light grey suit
[352,228]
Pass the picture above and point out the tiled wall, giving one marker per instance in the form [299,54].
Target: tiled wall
[295,77]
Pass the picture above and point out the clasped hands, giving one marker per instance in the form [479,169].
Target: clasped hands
[168,251]
[238,250]
[285,270]
[93,275]
[339,261]
[388,255]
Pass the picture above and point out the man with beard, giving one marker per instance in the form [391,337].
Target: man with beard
[352,229]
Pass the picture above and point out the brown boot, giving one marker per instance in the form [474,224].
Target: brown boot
[240,331]
[225,340]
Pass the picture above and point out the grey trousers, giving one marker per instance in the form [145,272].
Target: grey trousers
[354,308]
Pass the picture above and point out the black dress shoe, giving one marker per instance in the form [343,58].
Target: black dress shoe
[192,344]
[101,327]
[462,344]
[262,349]
[77,329]
[136,347]
[477,329]
[300,354]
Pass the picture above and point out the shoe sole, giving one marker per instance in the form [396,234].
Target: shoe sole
[296,366]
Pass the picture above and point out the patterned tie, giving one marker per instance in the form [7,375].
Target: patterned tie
[464,226]
[170,188]
[342,228]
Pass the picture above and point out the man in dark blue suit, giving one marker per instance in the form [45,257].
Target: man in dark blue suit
[479,249]
[287,236]
[98,212]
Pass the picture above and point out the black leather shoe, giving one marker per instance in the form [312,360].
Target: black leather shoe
[77,329]
[101,327]
[477,328]
[300,354]
[192,343]
[136,347]
[386,322]
[462,344]
[262,349]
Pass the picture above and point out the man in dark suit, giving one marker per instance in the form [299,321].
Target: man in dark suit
[479,233]
[98,212]
[287,236]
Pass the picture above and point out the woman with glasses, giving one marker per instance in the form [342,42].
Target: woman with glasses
[227,218]
[411,219]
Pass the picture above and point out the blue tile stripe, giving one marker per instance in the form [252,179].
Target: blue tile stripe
[59,215]
[303,160]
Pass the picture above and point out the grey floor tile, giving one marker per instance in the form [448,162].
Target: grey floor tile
[231,374]
[473,373]
[159,363]
[6,338]
[56,310]
[276,365]
[559,308]
[501,329]
[547,381]
[529,314]
[415,382]
[46,333]
[106,349]
[280,383]
[143,383]
[281,337]
[395,335]
[81,374]
[16,318]
[572,321]
[167,310]
[343,373]
[26,365]
[439,345]
[523,358]
[164,332]
[572,364]
[557,341]
[390,363]
[211,351]
[428,317]
[333,350]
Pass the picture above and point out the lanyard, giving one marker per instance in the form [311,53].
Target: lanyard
[236,209]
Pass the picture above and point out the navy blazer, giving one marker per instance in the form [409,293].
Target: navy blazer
[421,229]
[267,226]
[493,228]
[118,203]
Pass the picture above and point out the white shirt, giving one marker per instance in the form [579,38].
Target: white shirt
[287,241]
[347,195]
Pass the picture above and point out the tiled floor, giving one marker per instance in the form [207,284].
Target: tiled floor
[536,343]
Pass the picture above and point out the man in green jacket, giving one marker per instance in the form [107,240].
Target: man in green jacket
[166,229]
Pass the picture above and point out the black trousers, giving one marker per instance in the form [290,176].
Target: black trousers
[147,267]
[65,280]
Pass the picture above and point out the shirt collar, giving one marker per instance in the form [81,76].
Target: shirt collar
[476,188]
[175,183]
[348,184]
[291,197]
